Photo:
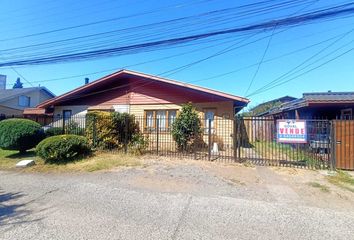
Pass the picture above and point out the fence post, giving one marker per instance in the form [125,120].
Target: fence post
[126,127]
[333,146]
[209,139]
[63,125]
[235,138]
[157,135]
[94,133]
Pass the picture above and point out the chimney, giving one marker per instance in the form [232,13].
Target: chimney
[2,82]
[87,80]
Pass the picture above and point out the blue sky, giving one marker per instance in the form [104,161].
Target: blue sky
[20,18]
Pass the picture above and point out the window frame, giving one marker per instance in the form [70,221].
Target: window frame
[213,129]
[167,127]
[27,98]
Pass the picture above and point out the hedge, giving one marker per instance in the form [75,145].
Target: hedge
[63,148]
[20,134]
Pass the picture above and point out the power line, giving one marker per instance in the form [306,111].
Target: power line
[267,47]
[93,23]
[135,28]
[196,50]
[132,65]
[275,82]
[341,10]
[261,61]
[308,71]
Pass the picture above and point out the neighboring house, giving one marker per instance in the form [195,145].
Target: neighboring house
[320,105]
[14,101]
[147,97]
[263,108]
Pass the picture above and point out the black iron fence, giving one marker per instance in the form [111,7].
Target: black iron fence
[254,140]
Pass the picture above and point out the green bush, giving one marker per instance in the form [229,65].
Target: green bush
[73,127]
[124,126]
[186,129]
[110,130]
[100,129]
[54,131]
[138,144]
[20,134]
[63,148]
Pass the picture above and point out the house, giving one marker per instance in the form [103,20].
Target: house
[14,101]
[146,96]
[263,108]
[321,105]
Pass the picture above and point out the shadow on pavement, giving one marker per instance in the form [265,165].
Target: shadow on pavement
[9,209]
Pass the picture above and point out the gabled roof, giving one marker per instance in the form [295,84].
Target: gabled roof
[6,94]
[123,73]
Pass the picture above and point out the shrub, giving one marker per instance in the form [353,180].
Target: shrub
[63,148]
[100,129]
[73,127]
[20,134]
[138,144]
[109,130]
[54,131]
[124,126]
[186,130]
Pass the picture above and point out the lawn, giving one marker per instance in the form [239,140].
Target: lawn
[278,151]
[98,161]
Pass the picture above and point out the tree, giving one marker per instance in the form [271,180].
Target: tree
[186,129]
[18,84]
[261,108]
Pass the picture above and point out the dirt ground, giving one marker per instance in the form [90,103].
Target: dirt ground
[163,198]
[301,186]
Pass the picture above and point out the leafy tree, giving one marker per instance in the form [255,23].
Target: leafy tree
[186,129]
[18,84]
[261,108]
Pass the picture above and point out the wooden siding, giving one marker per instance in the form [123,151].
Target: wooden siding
[137,91]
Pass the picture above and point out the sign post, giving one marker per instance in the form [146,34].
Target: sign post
[291,131]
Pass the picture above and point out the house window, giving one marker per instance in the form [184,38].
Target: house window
[347,114]
[24,101]
[209,118]
[67,114]
[165,119]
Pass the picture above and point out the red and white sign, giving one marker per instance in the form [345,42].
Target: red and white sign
[291,131]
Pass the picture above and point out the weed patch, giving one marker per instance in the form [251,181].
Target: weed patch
[323,188]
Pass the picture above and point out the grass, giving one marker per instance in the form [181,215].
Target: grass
[342,180]
[274,150]
[323,188]
[8,158]
[98,161]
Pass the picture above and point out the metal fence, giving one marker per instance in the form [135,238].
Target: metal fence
[225,140]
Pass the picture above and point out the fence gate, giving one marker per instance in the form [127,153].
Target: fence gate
[344,143]
[256,141]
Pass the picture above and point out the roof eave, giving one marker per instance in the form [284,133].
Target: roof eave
[51,102]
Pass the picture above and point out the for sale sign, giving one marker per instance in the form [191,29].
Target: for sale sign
[291,131]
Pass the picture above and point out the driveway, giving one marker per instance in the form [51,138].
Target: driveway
[174,200]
